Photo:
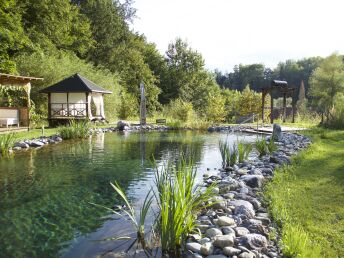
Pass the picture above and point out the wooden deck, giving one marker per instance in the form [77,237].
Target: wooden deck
[267,130]
[13,129]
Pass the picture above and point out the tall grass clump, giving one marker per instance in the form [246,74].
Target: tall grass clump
[229,154]
[244,149]
[262,147]
[179,200]
[75,130]
[271,146]
[6,142]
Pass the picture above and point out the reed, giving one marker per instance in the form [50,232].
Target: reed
[271,146]
[179,200]
[229,154]
[6,142]
[261,147]
[244,150]
[75,130]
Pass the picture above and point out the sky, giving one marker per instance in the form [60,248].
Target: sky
[230,32]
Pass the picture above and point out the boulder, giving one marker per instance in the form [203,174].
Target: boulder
[244,210]
[276,133]
[21,144]
[194,247]
[122,124]
[230,251]
[36,143]
[241,231]
[254,241]
[212,232]
[253,180]
[223,241]
[225,221]
[207,248]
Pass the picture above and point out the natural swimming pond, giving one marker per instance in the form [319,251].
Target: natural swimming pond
[46,194]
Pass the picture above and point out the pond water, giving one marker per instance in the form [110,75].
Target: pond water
[46,194]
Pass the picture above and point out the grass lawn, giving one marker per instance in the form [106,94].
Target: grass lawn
[307,198]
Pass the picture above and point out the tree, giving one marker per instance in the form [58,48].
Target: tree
[326,82]
[301,102]
[12,36]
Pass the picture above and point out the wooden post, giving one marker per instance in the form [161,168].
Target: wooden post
[49,105]
[87,114]
[263,105]
[293,107]
[28,90]
[271,109]
[67,104]
[284,106]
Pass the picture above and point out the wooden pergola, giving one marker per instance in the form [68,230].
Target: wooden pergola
[23,82]
[280,87]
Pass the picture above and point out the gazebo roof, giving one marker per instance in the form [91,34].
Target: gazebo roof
[75,83]
[16,79]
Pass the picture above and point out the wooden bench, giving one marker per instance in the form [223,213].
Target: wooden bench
[161,121]
[9,117]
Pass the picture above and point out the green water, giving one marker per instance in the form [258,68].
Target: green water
[45,208]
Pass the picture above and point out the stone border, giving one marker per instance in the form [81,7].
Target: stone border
[237,224]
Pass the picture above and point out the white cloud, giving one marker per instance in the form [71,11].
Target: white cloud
[229,32]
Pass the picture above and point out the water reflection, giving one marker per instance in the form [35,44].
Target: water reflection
[46,193]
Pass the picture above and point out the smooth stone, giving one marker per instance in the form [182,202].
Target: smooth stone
[223,241]
[225,221]
[243,210]
[241,231]
[247,255]
[230,251]
[254,241]
[254,181]
[17,148]
[35,143]
[194,247]
[21,144]
[212,232]
[217,256]
[207,248]
[204,240]
[228,230]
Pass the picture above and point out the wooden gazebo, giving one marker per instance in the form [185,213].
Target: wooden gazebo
[72,98]
[18,115]
[282,88]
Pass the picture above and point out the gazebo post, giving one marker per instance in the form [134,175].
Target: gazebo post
[271,109]
[284,106]
[49,106]
[28,105]
[67,104]
[87,114]
[293,108]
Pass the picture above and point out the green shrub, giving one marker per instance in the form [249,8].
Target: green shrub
[129,105]
[229,154]
[180,110]
[75,130]
[271,146]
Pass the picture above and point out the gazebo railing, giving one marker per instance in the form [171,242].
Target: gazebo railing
[68,109]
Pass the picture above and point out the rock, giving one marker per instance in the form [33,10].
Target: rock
[204,240]
[212,232]
[223,241]
[207,248]
[16,148]
[217,256]
[254,241]
[247,255]
[228,230]
[122,124]
[230,251]
[194,247]
[195,237]
[276,133]
[36,143]
[253,180]
[243,210]
[241,231]
[225,221]
[21,144]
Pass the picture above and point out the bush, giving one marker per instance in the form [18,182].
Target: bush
[75,130]
[244,149]
[129,105]
[262,147]
[180,110]
[6,142]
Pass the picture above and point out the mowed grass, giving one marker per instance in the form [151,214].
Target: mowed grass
[307,198]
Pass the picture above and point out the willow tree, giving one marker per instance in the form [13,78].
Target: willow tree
[326,82]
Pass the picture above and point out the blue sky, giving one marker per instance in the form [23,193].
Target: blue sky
[229,32]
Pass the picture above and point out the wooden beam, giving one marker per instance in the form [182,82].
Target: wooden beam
[284,106]
[263,105]
[49,105]
[87,113]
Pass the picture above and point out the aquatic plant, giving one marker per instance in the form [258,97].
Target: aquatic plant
[261,147]
[6,142]
[179,201]
[244,149]
[271,146]
[75,129]
[229,154]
